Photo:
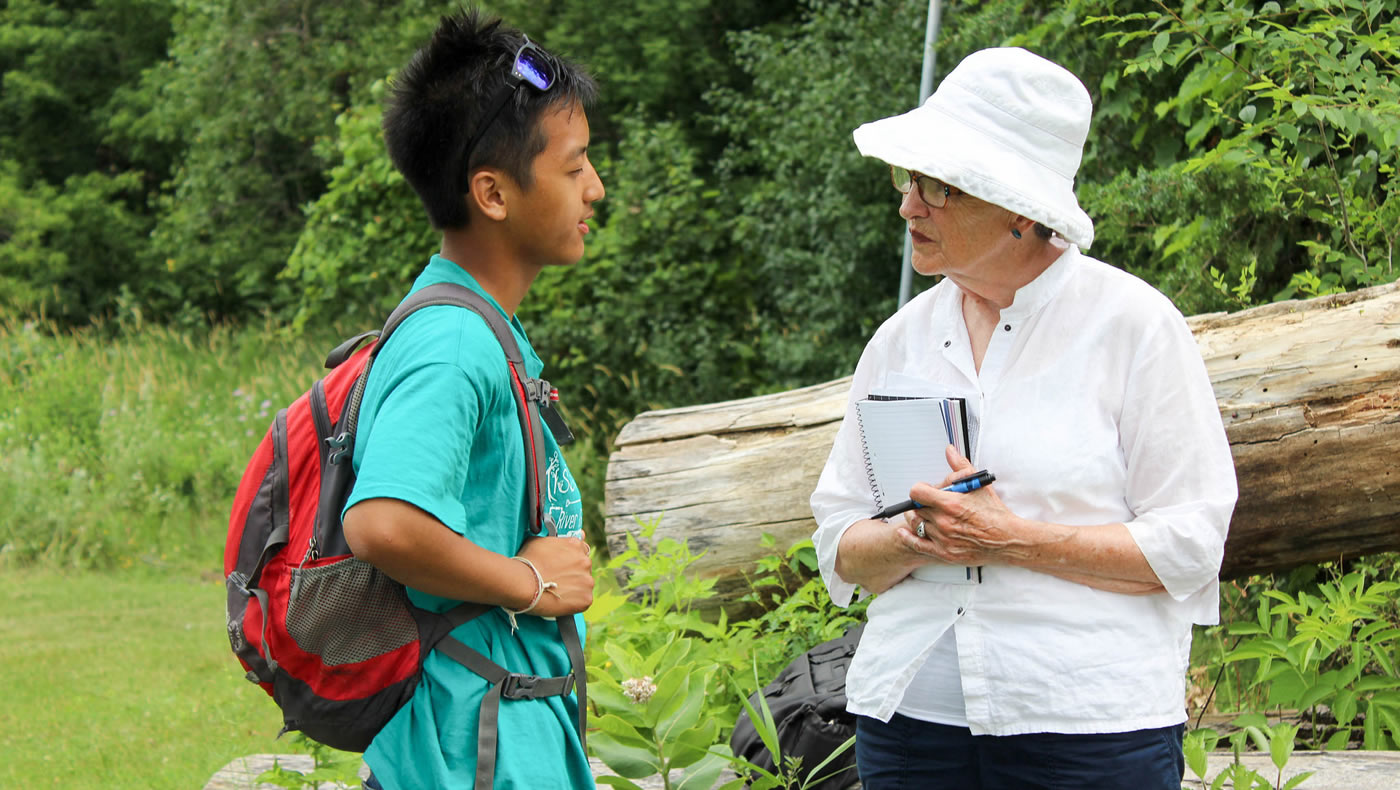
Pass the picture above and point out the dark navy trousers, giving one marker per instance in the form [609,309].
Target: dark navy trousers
[908,753]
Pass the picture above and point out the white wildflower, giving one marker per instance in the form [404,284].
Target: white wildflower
[639,690]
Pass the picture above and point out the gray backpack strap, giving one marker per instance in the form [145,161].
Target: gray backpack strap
[505,685]
[528,411]
[459,296]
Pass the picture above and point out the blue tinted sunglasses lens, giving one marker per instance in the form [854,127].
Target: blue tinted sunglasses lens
[531,66]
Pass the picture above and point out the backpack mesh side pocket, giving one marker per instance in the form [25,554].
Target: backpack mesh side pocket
[348,612]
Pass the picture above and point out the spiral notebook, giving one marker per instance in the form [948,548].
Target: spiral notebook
[903,438]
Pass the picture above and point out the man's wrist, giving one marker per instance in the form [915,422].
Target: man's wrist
[524,586]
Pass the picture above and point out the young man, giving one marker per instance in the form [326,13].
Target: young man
[490,131]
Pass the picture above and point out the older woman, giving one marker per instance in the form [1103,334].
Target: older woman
[1060,662]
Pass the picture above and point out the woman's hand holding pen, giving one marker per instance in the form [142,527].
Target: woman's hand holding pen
[963,529]
[878,555]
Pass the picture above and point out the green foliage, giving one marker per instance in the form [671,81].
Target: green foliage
[62,64]
[653,59]
[73,226]
[330,766]
[248,91]
[1306,98]
[366,236]
[662,677]
[659,312]
[1277,740]
[817,227]
[1152,223]
[791,599]
[69,251]
[654,721]
[1336,649]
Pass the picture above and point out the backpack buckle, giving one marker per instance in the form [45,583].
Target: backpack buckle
[519,686]
[530,687]
[338,445]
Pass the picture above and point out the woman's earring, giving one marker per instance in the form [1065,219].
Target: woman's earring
[1016,233]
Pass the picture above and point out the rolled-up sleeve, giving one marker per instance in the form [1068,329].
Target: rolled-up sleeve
[1181,483]
[843,495]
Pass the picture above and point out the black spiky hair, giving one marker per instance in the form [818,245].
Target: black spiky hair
[444,93]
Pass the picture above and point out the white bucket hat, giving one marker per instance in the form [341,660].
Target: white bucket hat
[1006,126]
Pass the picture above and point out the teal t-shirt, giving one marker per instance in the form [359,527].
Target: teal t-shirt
[439,429]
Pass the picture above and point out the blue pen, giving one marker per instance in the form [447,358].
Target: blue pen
[963,486]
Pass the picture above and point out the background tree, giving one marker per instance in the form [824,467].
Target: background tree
[73,215]
[226,163]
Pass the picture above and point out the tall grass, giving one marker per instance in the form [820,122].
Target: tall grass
[121,447]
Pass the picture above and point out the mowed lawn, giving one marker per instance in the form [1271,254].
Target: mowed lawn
[122,681]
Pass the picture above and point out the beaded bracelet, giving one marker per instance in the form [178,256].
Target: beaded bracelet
[540,587]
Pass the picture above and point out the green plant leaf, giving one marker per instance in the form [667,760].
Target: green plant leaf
[689,746]
[1371,737]
[1344,706]
[605,693]
[612,725]
[618,781]
[815,776]
[677,703]
[1197,745]
[762,719]
[1297,780]
[1338,740]
[629,758]
[1281,737]
[702,775]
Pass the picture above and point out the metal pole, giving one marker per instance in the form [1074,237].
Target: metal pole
[906,270]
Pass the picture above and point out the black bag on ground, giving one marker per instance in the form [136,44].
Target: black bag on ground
[808,701]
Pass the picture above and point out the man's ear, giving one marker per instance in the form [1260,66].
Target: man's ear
[490,191]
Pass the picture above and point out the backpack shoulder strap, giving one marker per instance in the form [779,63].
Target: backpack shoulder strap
[524,387]
[458,296]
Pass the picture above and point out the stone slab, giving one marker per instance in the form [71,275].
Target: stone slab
[1350,770]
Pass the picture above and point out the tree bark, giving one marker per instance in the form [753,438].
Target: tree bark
[1309,393]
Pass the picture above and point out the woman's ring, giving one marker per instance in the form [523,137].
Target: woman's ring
[920,530]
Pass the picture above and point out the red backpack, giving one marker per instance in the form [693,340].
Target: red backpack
[336,642]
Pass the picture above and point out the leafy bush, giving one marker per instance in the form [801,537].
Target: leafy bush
[668,684]
[1307,99]
[1335,650]
[1277,740]
[366,237]
[70,251]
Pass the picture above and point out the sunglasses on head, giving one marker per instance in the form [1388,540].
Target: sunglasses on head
[932,191]
[532,66]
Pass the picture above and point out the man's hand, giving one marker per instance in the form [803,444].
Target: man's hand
[565,562]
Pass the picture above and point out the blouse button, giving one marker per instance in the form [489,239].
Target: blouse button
[960,610]
[1007,327]
[947,343]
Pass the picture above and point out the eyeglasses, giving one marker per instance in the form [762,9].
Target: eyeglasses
[931,190]
[533,66]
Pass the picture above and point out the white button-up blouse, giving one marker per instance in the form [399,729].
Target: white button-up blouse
[1094,407]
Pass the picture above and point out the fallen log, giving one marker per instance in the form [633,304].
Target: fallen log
[1309,393]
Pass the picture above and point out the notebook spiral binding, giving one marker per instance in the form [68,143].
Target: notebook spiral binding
[869,464]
